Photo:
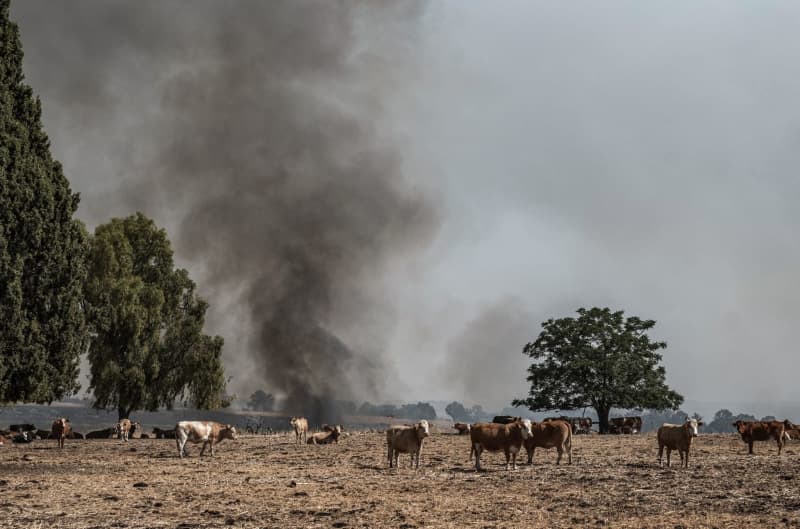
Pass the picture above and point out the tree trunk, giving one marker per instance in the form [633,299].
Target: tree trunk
[602,418]
[123,413]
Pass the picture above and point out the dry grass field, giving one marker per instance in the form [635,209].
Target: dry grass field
[259,481]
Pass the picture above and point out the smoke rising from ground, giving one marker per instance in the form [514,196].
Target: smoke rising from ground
[257,140]
[637,156]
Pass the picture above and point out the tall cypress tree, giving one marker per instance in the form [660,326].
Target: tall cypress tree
[42,247]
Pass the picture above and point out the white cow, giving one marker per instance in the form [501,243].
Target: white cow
[206,432]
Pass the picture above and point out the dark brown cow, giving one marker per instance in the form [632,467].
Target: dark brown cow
[61,430]
[496,437]
[550,434]
[462,428]
[159,433]
[505,419]
[625,425]
[105,433]
[752,431]
[22,428]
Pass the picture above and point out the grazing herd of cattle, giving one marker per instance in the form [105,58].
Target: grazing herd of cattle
[505,434]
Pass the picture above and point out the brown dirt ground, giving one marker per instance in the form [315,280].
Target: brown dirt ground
[267,481]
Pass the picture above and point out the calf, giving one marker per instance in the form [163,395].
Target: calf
[327,437]
[752,431]
[462,428]
[406,439]
[300,425]
[677,437]
[496,437]
[61,430]
[550,434]
[206,432]
[124,429]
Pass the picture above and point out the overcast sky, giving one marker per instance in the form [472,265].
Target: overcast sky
[633,155]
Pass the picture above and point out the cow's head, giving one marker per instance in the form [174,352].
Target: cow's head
[526,427]
[788,424]
[692,425]
[423,430]
[740,426]
[228,432]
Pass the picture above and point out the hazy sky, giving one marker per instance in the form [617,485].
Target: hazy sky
[634,155]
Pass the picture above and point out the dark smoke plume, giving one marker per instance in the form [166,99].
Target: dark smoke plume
[261,145]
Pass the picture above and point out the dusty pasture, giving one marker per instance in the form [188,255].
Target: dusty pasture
[260,481]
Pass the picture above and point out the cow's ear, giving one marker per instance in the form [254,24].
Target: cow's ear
[699,423]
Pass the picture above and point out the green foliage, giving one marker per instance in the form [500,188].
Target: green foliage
[599,359]
[42,248]
[148,348]
[418,411]
[261,401]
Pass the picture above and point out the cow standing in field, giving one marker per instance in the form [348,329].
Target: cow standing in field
[206,432]
[124,429]
[300,425]
[496,437]
[406,439]
[462,428]
[752,431]
[625,425]
[61,430]
[550,434]
[677,437]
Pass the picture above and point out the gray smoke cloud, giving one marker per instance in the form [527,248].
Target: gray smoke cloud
[251,130]
[531,158]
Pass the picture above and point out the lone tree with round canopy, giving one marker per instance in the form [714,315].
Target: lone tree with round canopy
[602,360]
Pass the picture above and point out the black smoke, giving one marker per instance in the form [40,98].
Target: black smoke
[253,129]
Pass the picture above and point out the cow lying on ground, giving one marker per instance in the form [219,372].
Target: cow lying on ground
[677,437]
[105,433]
[407,440]
[159,433]
[326,437]
[752,431]
[550,434]
[206,432]
[625,425]
[61,430]
[22,428]
[300,425]
[504,419]
[123,429]
[462,428]
[496,437]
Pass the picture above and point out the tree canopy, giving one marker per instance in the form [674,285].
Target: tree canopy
[42,247]
[261,401]
[601,359]
[148,348]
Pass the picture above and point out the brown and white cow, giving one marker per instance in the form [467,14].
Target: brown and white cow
[462,428]
[494,437]
[625,425]
[300,425]
[752,431]
[123,429]
[207,432]
[60,430]
[550,434]
[677,437]
[330,435]
[406,439]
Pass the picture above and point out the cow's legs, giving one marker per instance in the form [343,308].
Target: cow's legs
[202,450]
[669,453]
[660,454]
[779,440]
[508,458]
[686,460]
[750,447]
[478,450]
[530,454]
[569,450]
[560,450]
[211,446]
